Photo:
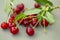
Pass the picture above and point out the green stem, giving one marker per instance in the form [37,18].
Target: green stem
[58,7]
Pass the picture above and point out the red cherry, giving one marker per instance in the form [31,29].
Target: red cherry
[12,25]
[26,22]
[13,15]
[16,10]
[11,20]
[44,22]
[34,21]
[20,6]
[4,25]
[36,5]
[30,31]
[20,21]
[14,30]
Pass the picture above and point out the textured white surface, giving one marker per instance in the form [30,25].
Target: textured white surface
[53,31]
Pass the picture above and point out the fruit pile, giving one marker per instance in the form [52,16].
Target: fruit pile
[40,15]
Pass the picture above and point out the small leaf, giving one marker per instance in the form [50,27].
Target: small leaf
[9,9]
[11,0]
[42,2]
[32,11]
[50,3]
[21,15]
[5,6]
[50,17]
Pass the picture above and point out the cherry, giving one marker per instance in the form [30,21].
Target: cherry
[4,25]
[30,31]
[34,21]
[36,5]
[16,10]
[11,19]
[20,6]
[14,30]
[20,21]
[13,15]
[12,25]
[44,22]
[26,22]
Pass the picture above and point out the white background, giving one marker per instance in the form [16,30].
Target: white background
[53,31]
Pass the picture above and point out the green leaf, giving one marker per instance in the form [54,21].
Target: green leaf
[50,3]
[32,11]
[9,9]
[5,6]
[21,15]
[44,2]
[50,17]
[11,0]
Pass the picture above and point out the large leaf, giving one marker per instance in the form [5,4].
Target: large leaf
[32,11]
[21,15]
[50,17]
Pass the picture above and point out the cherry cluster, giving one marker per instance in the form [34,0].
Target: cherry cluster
[29,22]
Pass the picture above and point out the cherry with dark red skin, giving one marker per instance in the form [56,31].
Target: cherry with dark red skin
[11,19]
[12,25]
[26,22]
[20,21]
[14,30]
[34,21]
[44,22]
[4,25]
[13,15]
[30,31]
[20,6]
[16,10]
[36,5]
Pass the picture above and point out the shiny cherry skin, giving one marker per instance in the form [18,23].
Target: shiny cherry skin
[30,31]
[44,22]
[13,15]
[36,5]
[26,22]
[14,30]
[20,6]
[34,21]
[12,25]
[16,10]
[11,19]
[20,21]
[4,25]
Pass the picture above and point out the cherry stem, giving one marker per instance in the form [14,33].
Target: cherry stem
[35,25]
[58,7]
[44,25]
[30,17]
